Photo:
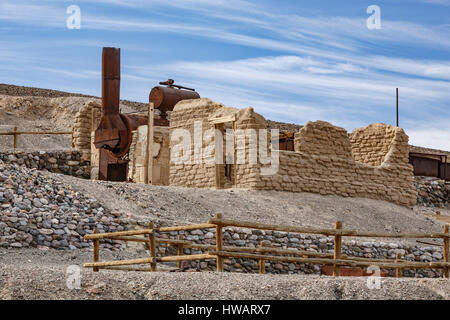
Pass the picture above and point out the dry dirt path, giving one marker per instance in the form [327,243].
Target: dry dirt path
[36,274]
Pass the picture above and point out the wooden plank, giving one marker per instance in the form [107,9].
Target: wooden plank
[184,228]
[398,271]
[337,249]
[341,262]
[96,250]
[152,247]
[327,232]
[186,257]
[446,251]
[118,263]
[219,236]
[180,252]
[116,234]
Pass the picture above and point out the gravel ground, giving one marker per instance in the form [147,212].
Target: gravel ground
[36,274]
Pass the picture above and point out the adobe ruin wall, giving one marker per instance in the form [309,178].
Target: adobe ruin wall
[371,162]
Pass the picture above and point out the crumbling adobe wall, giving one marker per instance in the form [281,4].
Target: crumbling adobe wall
[372,144]
[323,163]
[183,116]
[160,154]
[83,126]
[201,172]
[248,174]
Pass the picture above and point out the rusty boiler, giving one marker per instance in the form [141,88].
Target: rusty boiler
[113,135]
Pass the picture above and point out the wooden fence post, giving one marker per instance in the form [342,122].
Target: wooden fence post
[219,236]
[180,252]
[446,251]
[96,251]
[262,262]
[337,249]
[152,247]
[15,138]
[398,271]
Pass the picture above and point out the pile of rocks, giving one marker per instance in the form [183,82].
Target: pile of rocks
[65,162]
[39,211]
[432,192]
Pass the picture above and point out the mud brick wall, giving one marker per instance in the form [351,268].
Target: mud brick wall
[372,144]
[371,162]
[323,163]
[83,125]
[185,113]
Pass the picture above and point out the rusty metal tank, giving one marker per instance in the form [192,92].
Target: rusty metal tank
[165,98]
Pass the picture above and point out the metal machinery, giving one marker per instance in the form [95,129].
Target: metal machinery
[113,136]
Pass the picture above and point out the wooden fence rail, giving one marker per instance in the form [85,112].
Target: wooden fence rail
[265,252]
[16,133]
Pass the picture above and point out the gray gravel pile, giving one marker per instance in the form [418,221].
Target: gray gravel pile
[39,211]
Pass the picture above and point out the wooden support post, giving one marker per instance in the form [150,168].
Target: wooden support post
[219,236]
[152,247]
[148,174]
[180,252]
[337,249]
[96,253]
[15,138]
[398,271]
[446,251]
[262,262]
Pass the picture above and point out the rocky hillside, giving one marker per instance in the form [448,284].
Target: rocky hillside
[39,211]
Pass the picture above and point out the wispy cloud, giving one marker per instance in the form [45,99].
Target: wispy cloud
[302,67]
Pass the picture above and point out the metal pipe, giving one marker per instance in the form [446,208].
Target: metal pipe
[397,105]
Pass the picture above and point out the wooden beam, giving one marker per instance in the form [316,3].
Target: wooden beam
[327,232]
[118,263]
[152,247]
[446,251]
[116,234]
[398,271]
[186,257]
[96,250]
[148,174]
[341,262]
[187,227]
[219,236]
[337,249]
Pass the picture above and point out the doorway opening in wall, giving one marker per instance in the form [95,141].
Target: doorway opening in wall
[225,172]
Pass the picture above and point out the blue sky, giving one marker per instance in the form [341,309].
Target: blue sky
[293,61]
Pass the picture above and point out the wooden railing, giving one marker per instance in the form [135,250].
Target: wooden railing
[264,252]
[16,133]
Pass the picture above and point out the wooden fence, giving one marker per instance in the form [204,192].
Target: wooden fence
[264,252]
[16,133]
